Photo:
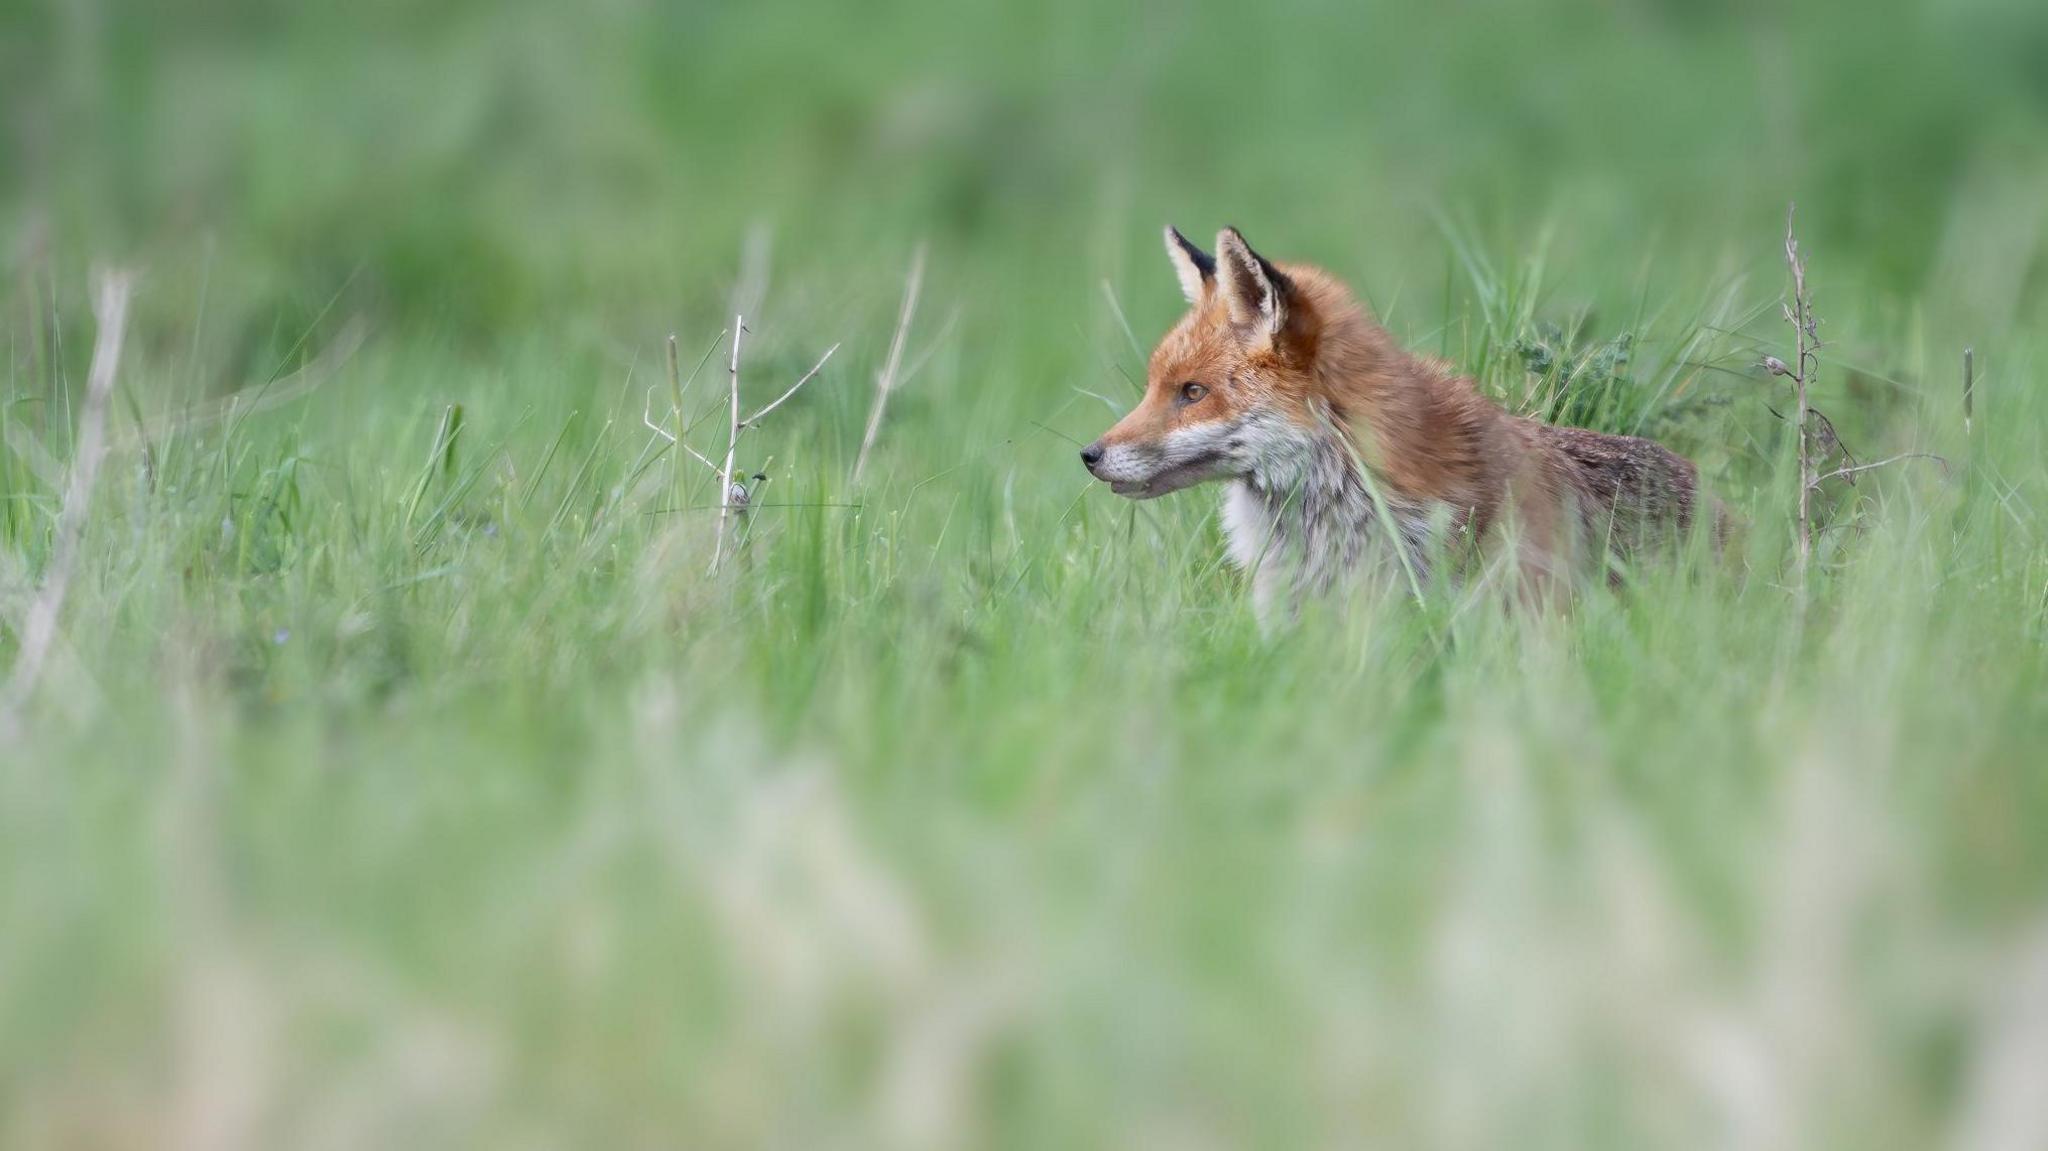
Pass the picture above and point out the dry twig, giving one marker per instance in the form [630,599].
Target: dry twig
[887,381]
[647,418]
[1969,386]
[755,419]
[1806,340]
[734,495]
[1817,437]
[732,443]
[1850,471]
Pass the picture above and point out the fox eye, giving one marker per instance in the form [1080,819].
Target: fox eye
[1192,392]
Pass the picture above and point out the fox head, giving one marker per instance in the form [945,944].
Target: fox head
[1226,393]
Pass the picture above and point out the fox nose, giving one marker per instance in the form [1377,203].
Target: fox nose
[1091,455]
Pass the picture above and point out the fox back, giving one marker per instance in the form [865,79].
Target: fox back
[1341,452]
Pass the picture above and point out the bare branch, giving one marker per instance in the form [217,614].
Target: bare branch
[886,382]
[732,443]
[39,628]
[755,419]
[1846,472]
[1801,315]
[1969,386]
[675,381]
[647,418]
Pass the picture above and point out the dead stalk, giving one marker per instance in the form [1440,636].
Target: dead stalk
[1817,438]
[1807,342]
[755,419]
[733,496]
[1969,386]
[647,420]
[732,443]
[39,627]
[887,381]
[1852,470]
[675,381]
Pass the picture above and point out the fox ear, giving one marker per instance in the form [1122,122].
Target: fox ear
[1254,289]
[1195,267]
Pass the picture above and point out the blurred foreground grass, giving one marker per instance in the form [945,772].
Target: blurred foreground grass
[386,793]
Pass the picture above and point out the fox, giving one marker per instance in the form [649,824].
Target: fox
[1340,451]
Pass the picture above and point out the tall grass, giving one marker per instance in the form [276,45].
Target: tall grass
[403,778]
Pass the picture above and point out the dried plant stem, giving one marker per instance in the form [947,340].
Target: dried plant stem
[1844,473]
[755,419]
[1969,386]
[887,381]
[675,380]
[732,443]
[647,421]
[1818,443]
[1805,344]
[39,627]
[733,495]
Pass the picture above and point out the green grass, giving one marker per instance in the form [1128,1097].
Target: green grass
[405,777]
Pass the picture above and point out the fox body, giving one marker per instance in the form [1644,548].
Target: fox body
[1343,453]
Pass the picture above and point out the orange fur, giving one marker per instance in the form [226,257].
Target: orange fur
[1290,342]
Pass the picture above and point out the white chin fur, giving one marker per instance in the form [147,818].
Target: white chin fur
[1163,481]
[1186,457]
[1152,489]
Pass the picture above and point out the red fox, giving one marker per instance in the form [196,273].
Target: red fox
[1338,447]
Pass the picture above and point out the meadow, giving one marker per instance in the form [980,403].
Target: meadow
[412,764]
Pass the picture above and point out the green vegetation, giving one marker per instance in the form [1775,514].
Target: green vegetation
[402,775]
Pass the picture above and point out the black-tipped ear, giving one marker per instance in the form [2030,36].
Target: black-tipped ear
[1195,267]
[1254,289]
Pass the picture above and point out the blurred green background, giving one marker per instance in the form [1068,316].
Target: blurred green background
[487,167]
[404,777]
